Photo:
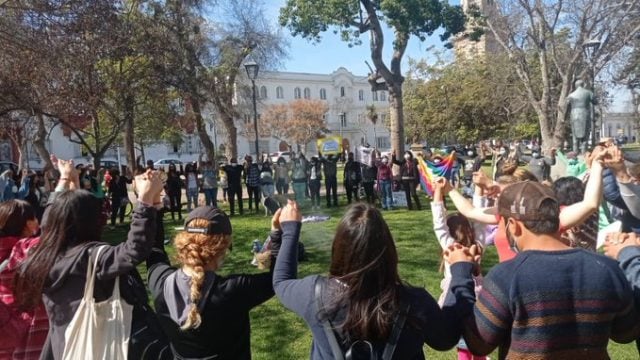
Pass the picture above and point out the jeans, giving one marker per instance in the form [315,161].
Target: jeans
[368,190]
[387,194]
[254,196]
[234,191]
[299,190]
[192,199]
[282,186]
[175,201]
[314,188]
[331,186]
[211,197]
[267,190]
[410,192]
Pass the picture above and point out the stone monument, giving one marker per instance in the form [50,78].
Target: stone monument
[580,102]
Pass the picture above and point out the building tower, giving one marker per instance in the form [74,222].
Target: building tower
[466,48]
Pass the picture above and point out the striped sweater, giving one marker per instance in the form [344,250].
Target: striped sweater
[546,305]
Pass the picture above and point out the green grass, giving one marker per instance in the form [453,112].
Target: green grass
[278,333]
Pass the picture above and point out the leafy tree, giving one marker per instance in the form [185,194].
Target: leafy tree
[298,122]
[407,18]
[466,101]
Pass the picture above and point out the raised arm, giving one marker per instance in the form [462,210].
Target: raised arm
[577,213]
[122,258]
[439,213]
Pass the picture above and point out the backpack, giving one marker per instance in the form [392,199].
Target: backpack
[359,349]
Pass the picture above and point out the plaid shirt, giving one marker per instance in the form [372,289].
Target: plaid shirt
[253,175]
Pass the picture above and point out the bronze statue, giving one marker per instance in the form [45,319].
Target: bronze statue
[581,115]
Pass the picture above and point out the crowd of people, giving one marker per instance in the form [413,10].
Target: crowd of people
[552,295]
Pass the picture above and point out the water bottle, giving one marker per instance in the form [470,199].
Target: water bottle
[256,247]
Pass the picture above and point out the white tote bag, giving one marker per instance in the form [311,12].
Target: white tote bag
[99,331]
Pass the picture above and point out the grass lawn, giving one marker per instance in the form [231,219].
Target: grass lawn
[278,333]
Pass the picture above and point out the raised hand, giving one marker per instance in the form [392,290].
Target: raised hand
[275,220]
[456,253]
[290,212]
[149,187]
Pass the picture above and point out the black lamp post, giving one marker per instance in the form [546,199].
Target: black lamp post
[252,72]
[590,48]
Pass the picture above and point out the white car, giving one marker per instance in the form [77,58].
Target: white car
[164,164]
[276,155]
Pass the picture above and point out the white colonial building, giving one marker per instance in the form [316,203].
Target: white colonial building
[347,97]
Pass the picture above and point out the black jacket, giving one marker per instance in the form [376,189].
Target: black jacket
[64,286]
[225,328]
[352,172]
[408,169]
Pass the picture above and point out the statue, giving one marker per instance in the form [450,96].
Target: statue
[581,102]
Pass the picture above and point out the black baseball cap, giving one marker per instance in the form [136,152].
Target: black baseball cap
[218,221]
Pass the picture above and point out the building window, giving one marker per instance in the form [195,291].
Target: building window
[279,92]
[382,142]
[361,95]
[323,94]
[263,92]
[247,119]
[342,91]
[383,96]
[296,93]
[307,93]
[343,120]
[383,118]
[375,95]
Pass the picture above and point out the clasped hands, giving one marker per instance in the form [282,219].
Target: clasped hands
[457,253]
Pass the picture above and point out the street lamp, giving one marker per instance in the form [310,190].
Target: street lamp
[590,48]
[252,72]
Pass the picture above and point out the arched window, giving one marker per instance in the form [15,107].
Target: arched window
[296,93]
[279,92]
[383,96]
[375,95]
[323,94]
[263,92]
[307,93]
[361,95]
[342,91]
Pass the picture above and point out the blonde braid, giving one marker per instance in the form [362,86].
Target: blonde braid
[196,251]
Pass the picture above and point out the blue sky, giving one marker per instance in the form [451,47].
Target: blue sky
[332,53]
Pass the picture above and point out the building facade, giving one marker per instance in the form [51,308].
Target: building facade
[347,97]
[624,124]
[465,47]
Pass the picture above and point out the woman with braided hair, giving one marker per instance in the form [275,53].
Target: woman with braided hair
[206,315]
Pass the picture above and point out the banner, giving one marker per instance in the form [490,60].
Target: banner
[429,171]
[330,145]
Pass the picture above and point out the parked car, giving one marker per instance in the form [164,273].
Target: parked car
[276,155]
[164,164]
[8,165]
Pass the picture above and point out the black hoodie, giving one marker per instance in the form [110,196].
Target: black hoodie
[64,286]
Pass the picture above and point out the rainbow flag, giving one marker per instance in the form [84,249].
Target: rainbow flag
[429,171]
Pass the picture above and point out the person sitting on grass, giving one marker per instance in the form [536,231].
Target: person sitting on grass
[362,305]
[206,315]
[551,301]
[453,229]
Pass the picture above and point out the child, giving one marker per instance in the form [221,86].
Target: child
[453,229]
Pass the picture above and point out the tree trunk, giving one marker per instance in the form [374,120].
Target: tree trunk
[38,142]
[396,115]
[231,146]
[202,131]
[129,144]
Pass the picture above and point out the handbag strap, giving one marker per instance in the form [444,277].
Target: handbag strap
[324,321]
[92,266]
[398,325]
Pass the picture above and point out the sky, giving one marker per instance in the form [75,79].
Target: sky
[331,53]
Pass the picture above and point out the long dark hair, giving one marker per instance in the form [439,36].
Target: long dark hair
[72,219]
[14,215]
[364,259]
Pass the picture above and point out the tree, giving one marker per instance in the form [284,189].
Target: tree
[466,101]
[419,18]
[297,122]
[546,39]
[243,32]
